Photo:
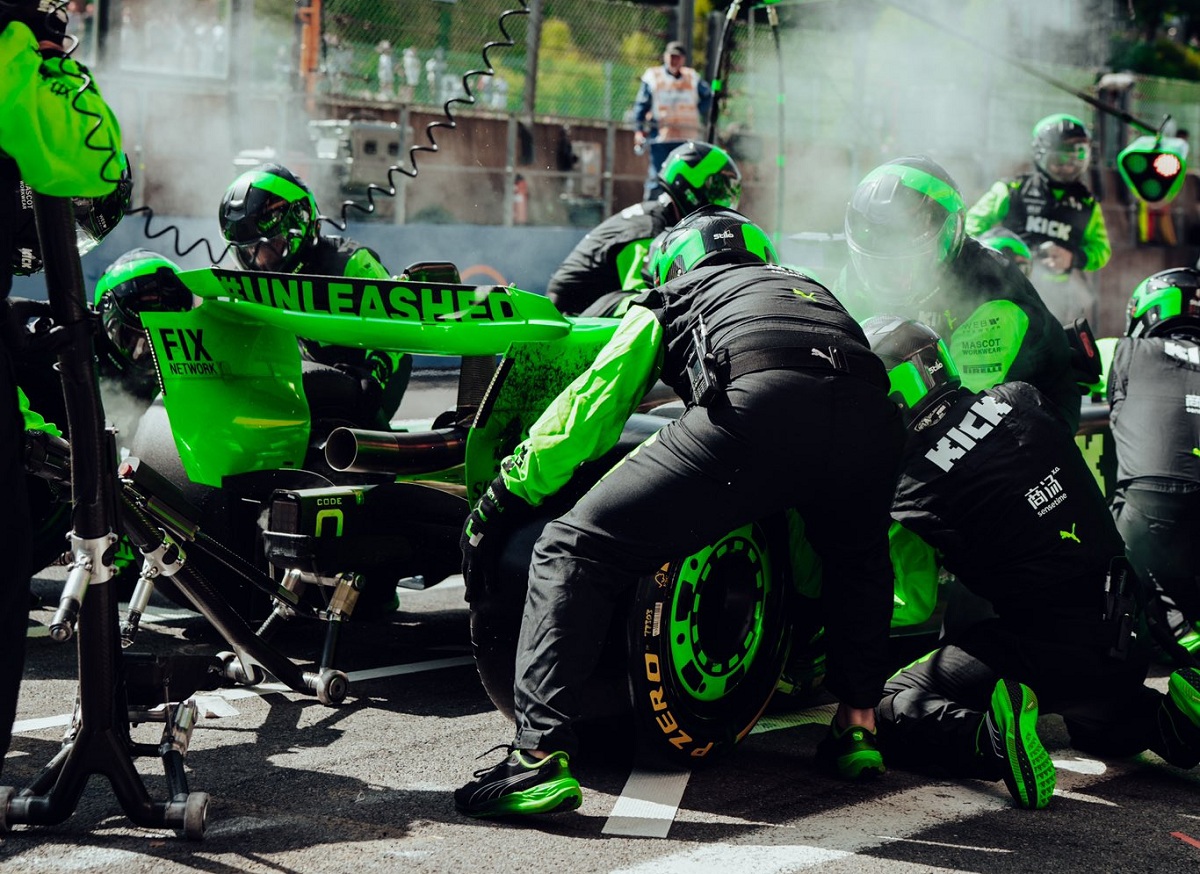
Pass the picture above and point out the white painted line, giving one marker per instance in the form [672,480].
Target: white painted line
[739,857]
[21,726]
[821,715]
[414,668]
[648,804]
[215,707]
[943,844]
[1079,796]
[1080,766]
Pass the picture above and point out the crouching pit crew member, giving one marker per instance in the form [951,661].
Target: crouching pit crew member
[994,482]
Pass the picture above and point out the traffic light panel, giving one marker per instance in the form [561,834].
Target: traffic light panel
[1154,167]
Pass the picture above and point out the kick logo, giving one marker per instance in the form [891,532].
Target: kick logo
[978,422]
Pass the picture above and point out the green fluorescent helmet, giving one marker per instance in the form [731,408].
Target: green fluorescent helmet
[699,174]
[270,216]
[904,222]
[1166,302]
[139,281]
[1062,147]
[919,365]
[710,235]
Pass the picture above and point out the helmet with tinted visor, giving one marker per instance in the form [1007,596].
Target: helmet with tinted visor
[1062,148]
[270,216]
[711,235]
[1165,303]
[137,282]
[920,369]
[904,223]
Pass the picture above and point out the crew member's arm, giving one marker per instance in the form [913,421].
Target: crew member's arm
[989,210]
[33,420]
[1094,250]
[587,417]
[705,93]
[1006,340]
[54,100]
[641,110]
[365,264]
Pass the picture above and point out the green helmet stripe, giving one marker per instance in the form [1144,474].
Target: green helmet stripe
[1058,117]
[1168,300]
[114,276]
[709,165]
[935,189]
[689,249]
[289,191]
[759,243]
[906,380]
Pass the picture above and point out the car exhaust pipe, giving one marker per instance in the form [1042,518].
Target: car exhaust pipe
[404,453]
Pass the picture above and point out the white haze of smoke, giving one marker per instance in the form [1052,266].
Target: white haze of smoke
[893,85]
[122,410]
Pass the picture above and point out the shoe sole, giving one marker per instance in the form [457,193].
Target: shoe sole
[1184,689]
[864,765]
[1030,774]
[557,796]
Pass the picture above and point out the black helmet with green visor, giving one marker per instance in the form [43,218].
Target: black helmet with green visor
[1062,147]
[710,235]
[698,174]
[138,281]
[270,216]
[904,223]
[1168,302]
[920,369]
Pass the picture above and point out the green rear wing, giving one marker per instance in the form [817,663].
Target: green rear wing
[230,368]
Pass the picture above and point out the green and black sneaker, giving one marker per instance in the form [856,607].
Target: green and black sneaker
[1179,720]
[521,785]
[1011,726]
[852,753]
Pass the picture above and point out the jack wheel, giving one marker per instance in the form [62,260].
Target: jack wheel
[7,793]
[195,815]
[331,686]
[233,669]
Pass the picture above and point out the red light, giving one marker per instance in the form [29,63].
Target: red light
[1167,165]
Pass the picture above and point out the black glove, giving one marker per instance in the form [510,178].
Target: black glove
[46,18]
[483,537]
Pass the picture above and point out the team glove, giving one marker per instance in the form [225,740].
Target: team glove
[1055,258]
[486,530]
[46,18]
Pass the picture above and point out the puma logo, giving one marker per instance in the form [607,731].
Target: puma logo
[1196,450]
[828,358]
[1069,535]
[807,295]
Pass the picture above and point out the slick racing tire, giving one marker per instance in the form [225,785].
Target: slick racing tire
[708,639]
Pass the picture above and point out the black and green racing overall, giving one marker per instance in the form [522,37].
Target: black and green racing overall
[1040,210]
[1154,391]
[994,323]
[802,421]
[609,259]
[995,483]
[384,374]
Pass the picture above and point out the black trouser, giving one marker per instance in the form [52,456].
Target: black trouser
[932,710]
[15,567]
[1159,529]
[826,445]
